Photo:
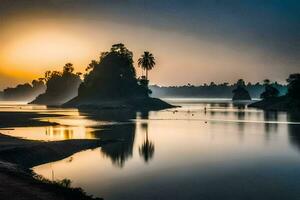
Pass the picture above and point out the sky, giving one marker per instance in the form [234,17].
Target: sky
[193,41]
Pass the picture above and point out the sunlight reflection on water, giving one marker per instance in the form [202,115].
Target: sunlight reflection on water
[182,153]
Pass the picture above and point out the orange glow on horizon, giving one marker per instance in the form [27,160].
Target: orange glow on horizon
[32,46]
[30,54]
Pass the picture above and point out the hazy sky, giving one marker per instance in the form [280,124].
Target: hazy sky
[194,41]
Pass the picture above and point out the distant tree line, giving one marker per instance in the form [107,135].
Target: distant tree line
[24,92]
[213,90]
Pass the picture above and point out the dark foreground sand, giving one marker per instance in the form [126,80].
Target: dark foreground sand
[15,185]
[18,155]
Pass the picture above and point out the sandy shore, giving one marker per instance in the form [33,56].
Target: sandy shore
[18,155]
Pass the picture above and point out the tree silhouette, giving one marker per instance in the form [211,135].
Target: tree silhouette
[111,82]
[267,82]
[240,92]
[68,68]
[221,90]
[47,75]
[61,86]
[146,62]
[112,76]
[294,86]
[240,83]
[270,91]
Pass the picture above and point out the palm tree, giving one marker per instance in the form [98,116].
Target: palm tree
[146,62]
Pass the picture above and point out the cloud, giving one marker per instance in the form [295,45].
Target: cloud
[271,25]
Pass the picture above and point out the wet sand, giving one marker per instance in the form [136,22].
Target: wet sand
[29,153]
[17,156]
[21,119]
[17,184]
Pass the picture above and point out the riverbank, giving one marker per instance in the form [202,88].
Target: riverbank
[18,184]
[17,156]
[282,103]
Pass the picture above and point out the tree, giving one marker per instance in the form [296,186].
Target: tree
[240,83]
[68,68]
[60,86]
[294,86]
[267,82]
[92,65]
[146,62]
[270,91]
[47,75]
[240,92]
[212,84]
[37,83]
[112,76]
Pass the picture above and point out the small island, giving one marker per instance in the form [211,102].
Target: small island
[60,86]
[288,102]
[240,93]
[111,83]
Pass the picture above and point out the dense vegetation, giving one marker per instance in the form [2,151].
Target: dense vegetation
[294,86]
[61,86]
[270,90]
[240,92]
[288,102]
[111,82]
[112,76]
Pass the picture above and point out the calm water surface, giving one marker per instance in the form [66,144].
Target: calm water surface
[207,149]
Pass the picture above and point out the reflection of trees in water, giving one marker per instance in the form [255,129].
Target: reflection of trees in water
[212,109]
[240,114]
[219,108]
[124,133]
[240,106]
[270,127]
[294,129]
[113,115]
[119,151]
[147,149]
[212,113]
[294,135]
